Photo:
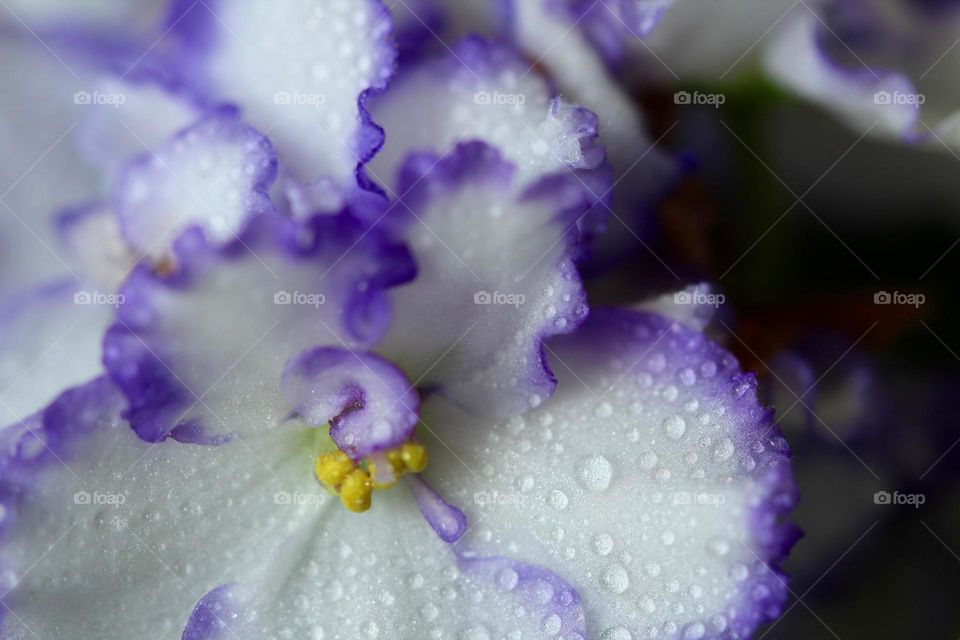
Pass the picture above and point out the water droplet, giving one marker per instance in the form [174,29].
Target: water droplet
[675,426]
[694,631]
[551,624]
[507,579]
[615,579]
[723,450]
[602,544]
[616,633]
[595,473]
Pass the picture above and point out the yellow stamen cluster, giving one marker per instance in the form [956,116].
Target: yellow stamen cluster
[355,484]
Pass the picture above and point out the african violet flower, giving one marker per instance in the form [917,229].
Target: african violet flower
[355,395]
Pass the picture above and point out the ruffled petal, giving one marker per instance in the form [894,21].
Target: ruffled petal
[231,542]
[159,524]
[199,353]
[369,403]
[214,175]
[642,172]
[307,69]
[495,276]
[483,91]
[865,97]
[652,481]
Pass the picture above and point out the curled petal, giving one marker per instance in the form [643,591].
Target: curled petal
[369,403]
[214,175]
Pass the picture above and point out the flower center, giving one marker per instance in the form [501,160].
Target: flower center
[355,482]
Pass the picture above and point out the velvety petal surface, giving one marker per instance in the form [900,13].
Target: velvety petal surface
[199,352]
[495,276]
[214,175]
[652,481]
[236,541]
[306,70]
[482,91]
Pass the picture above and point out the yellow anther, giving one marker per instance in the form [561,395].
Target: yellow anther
[414,457]
[333,468]
[355,491]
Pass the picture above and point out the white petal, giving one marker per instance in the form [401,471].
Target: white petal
[482,91]
[652,481]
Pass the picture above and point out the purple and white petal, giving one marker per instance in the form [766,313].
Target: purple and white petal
[385,574]
[199,353]
[799,59]
[642,172]
[652,481]
[160,524]
[611,25]
[126,119]
[369,403]
[307,69]
[237,541]
[214,175]
[495,275]
[485,91]
[693,306]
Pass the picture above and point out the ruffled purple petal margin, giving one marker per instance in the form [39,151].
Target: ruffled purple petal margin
[538,590]
[369,403]
[134,355]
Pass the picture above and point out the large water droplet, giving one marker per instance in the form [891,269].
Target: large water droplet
[595,473]
[615,579]
[675,426]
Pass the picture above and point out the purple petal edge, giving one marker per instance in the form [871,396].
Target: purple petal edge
[134,355]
